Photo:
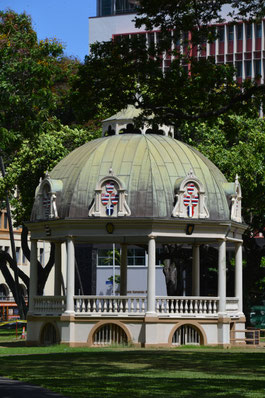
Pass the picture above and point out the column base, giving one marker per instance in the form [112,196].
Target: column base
[151,314]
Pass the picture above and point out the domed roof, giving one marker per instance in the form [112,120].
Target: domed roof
[150,169]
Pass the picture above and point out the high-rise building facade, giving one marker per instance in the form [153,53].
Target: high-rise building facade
[241,45]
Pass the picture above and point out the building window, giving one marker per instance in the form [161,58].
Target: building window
[5,221]
[230,32]
[124,6]
[24,260]
[239,32]
[18,254]
[136,256]
[221,33]
[105,7]
[258,31]
[249,31]
[257,67]
[151,39]
[239,69]
[248,68]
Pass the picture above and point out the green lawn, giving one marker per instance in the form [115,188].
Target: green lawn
[117,372]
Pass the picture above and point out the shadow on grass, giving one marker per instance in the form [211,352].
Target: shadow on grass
[143,373]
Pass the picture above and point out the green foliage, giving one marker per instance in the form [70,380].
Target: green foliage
[117,279]
[53,143]
[32,79]
[34,86]
[109,259]
[236,145]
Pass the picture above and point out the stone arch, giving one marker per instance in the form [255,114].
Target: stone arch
[4,290]
[186,201]
[110,198]
[194,324]
[46,195]
[49,333]
[99,324]
[23,290]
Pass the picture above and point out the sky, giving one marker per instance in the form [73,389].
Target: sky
[67,20]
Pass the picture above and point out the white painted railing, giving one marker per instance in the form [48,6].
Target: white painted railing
[174,306]
[49,304]
[187,305]
[110,304]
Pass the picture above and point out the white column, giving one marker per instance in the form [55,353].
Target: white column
[70,279]
[196,270]
[33,281]
[239,276]
[57,269]
[123,270]
[222,276]
[151,277]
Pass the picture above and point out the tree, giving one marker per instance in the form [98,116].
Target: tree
[53,143]
[34,86]
[127,71]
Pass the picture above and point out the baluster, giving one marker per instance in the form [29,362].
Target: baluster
[99,303]
[143,305]
[158,304]
[93,307]
[126,304]
[200,306]
[210,307]
[82,305]
[181,307]
[176,309]
[214,307]
[186,309]
[191,306]
[205,307]
[105,305]
[167,306]
[77,305]
[114,305]
[137,305]
[196,307]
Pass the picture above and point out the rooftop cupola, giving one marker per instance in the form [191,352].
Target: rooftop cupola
[123,123]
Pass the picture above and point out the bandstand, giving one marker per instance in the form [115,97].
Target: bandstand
[136,187]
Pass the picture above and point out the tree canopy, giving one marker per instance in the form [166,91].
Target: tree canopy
[127,70]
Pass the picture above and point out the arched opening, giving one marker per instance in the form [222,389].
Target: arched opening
[4,291]
[49,335]
[187,334]
[23,290]
[108,334]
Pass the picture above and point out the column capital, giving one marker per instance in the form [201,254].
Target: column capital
[151,236]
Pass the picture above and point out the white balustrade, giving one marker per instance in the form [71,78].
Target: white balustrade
[120,305]
[173,306]
[51,305]
[181,306]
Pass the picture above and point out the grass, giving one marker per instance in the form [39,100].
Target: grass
[120,372]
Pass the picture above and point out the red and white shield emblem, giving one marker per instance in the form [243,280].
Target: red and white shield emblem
[109,186]
[114,198]
[104,198]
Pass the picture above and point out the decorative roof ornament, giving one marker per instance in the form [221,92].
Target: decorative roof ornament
[236,198]
[110,198]
[190,198]
[46,194]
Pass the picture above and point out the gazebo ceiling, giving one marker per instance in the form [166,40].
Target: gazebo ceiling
[148,171]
